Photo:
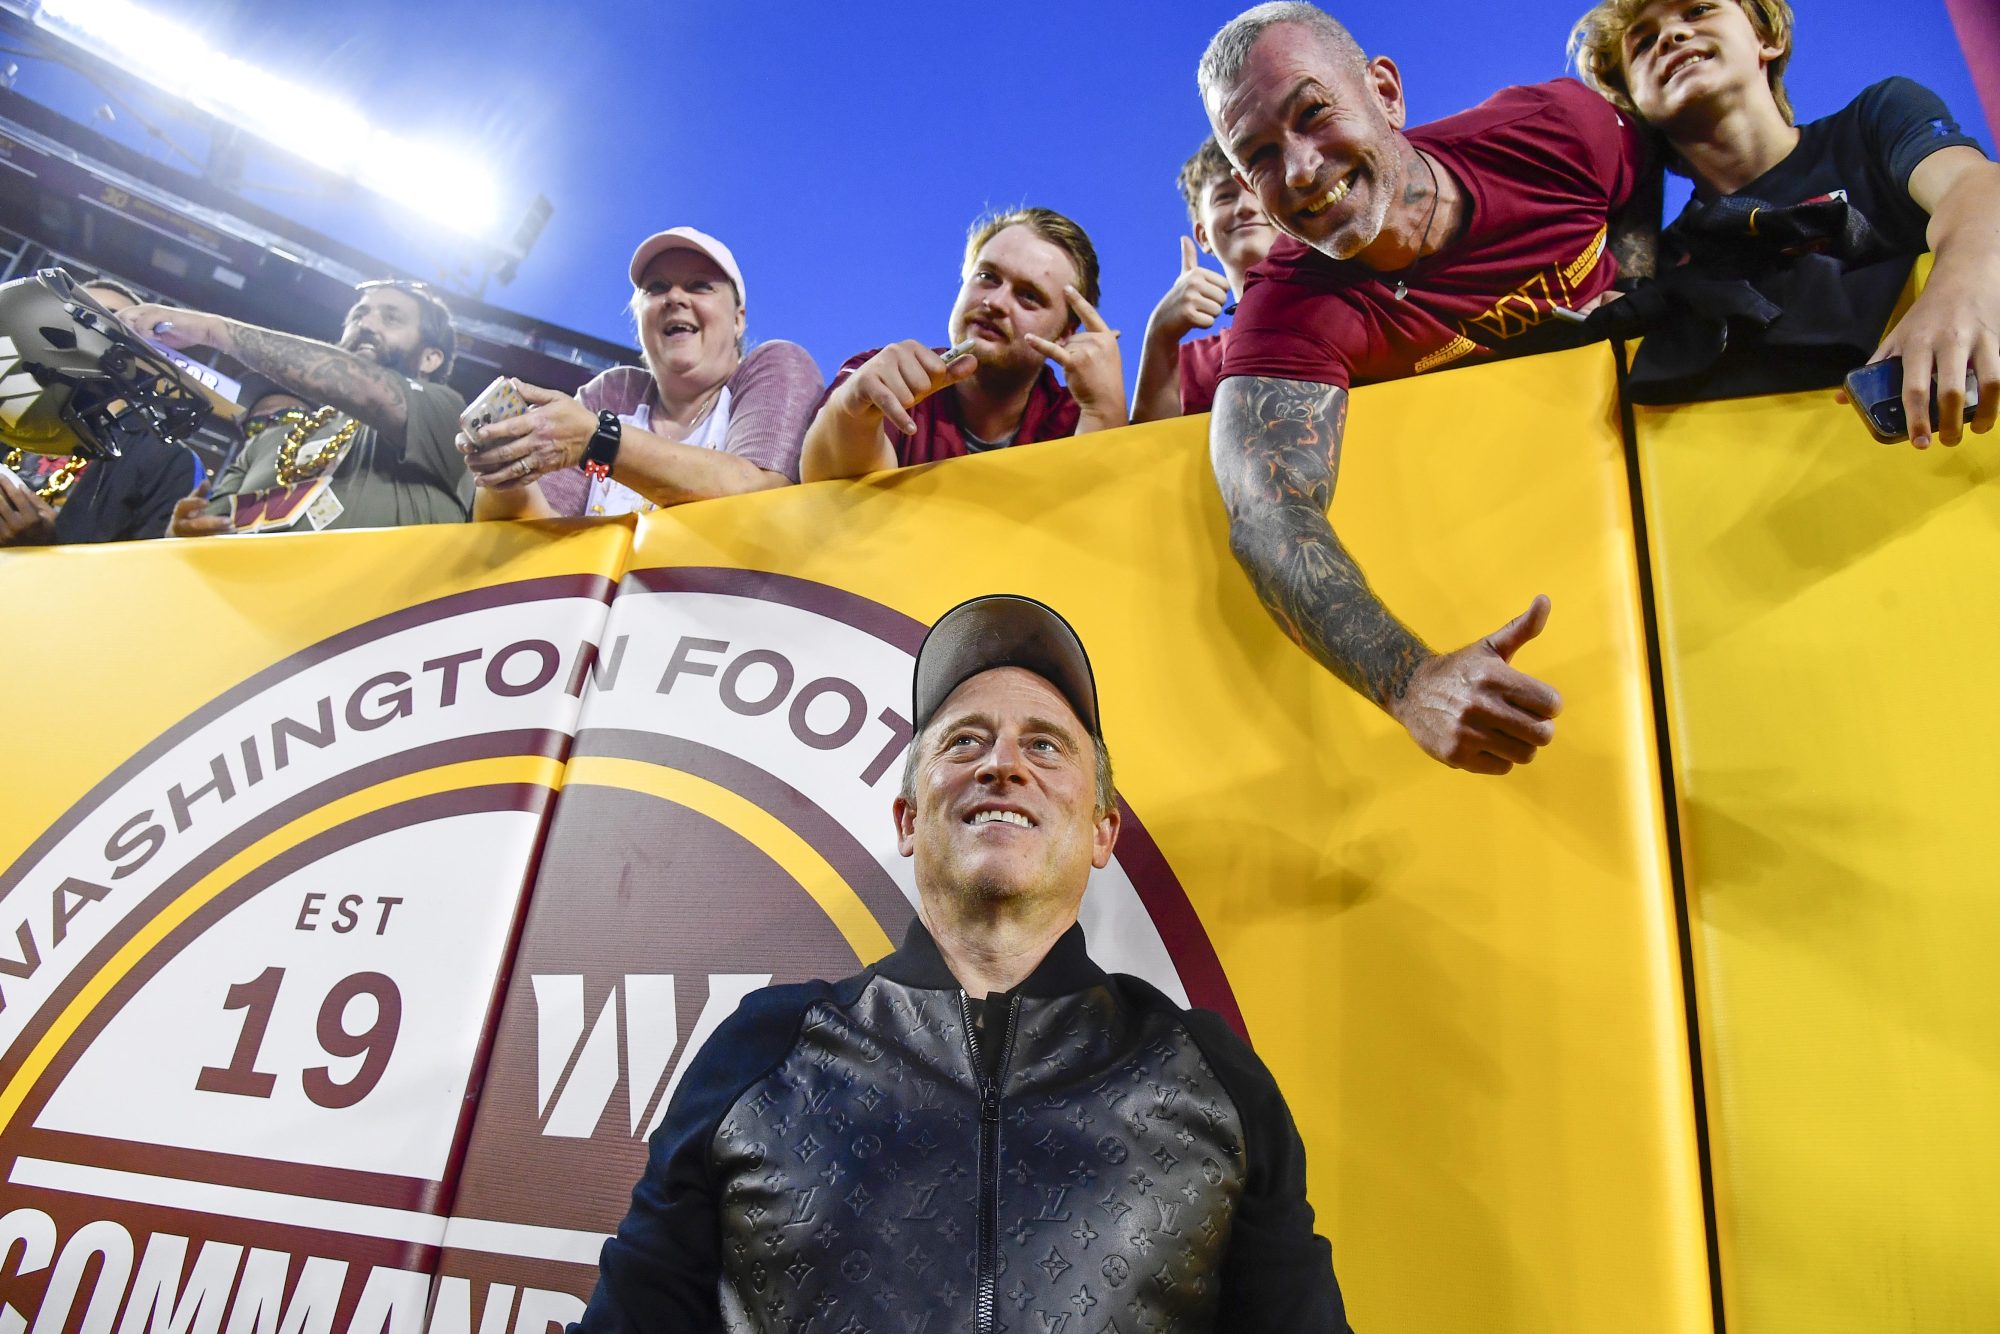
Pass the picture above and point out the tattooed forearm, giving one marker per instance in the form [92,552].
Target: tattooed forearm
[1275,446]
[321,373]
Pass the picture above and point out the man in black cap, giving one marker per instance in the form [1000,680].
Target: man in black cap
[983,1129]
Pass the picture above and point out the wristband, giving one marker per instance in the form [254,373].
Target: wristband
[601,451]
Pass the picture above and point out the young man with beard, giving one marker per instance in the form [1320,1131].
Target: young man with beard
[378,453]
[1027,299]
[1466,238]
[1787,263]
[1177,378]
[944,1130]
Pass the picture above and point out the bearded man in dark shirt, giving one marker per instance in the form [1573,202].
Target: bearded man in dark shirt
[378,454]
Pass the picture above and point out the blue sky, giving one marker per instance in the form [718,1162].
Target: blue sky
[841,149]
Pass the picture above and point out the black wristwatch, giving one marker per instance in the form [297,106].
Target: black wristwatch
[602,449]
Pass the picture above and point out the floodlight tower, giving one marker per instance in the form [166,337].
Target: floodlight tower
[248,111]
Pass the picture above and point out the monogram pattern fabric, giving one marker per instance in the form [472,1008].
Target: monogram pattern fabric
[851,1196]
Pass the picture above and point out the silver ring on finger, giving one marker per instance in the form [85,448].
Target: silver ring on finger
[523,467]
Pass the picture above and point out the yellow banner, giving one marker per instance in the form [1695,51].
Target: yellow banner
[1827,606]
[1468,988]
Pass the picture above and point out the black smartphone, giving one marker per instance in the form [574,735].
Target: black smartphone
[1876,390]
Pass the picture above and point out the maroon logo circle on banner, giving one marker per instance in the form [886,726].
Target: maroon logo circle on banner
[742,743]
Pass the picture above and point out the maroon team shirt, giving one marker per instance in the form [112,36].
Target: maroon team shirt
[1051,414]
[1542,167]
[1201,371]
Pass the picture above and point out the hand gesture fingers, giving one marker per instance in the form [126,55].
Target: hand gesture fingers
[517,461]
[904,375]
[13,491]
[1951,327]
[502,431]
[930,371]
[1493,752]
[877,394]
[1509,750]
[25,518]
[494,459]
[1059,353]
[1195,301]
[141,318]
[1485,762]
[156,324]
[1086,312]
[1208,285]
[898,378]
[1508,639]
[1918,367]
[166,325]
[1986,366]
[1472,710]
[1532,699]
[1492,709]
[1092,370]
[1203,311]
[522,473]
[546,438]
[536,395]
[189,518]
[1954,360]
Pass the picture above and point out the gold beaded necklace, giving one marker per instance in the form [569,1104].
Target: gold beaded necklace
[59,481]
[291,469]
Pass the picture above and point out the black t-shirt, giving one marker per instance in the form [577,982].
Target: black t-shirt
[1827,236]
[118,499]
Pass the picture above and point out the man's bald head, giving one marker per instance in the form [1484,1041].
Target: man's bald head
[1222,64]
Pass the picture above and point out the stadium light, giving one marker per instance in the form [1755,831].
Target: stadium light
[430,179]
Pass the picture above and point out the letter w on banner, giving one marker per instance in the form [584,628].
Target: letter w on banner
[576,1074]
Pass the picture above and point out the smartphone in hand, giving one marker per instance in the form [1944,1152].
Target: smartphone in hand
[1876,390]
[497,402]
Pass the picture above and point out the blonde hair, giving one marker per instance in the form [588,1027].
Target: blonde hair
[1597,47]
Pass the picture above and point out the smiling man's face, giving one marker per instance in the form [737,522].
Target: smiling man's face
[386,326]
[1317,137]
[1004,803]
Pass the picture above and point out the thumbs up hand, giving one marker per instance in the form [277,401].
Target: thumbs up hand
[1473,710]
[1195,301]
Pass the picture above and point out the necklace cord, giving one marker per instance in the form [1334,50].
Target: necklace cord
[1436,193]
[1402,284]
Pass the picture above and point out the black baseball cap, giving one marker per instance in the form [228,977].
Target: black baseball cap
[1003,630]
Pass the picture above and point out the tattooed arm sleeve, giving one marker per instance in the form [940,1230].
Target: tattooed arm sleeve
[1275,447]
[321,373]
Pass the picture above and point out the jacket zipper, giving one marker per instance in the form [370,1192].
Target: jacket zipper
[984,1319]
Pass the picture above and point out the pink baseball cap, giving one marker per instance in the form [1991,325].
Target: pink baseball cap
[687,238]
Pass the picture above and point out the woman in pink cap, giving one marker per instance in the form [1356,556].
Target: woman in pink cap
[703,418]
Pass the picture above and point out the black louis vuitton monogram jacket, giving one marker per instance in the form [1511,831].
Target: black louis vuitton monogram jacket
[864,1156]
